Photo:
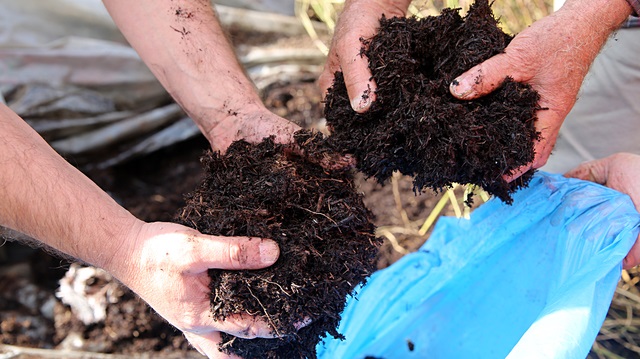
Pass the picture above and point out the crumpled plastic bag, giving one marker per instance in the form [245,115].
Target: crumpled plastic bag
[531,280]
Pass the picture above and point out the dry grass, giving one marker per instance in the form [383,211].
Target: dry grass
[405,233]
[515,15]
[619,336]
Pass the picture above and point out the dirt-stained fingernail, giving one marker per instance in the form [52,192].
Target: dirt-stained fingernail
[361,103]
[461,87]
[302,324]
[269,251]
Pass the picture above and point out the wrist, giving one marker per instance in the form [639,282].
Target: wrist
[122,256]
[607,15]
[585,25]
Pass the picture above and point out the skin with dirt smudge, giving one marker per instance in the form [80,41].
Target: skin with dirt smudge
[187,50]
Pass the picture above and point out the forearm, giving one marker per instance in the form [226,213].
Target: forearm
[576,34]
[593,20]
[185,47]
[46,198]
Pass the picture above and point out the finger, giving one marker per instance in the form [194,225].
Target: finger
[360,85]
[542,150]
[243,326]
[239,325]
[326,78]
[515,174]
[283,133]
[208,345]
[482,79]
[303,323]
[234,253]
[348,56]
[633,258]
[594,171]
[360,20]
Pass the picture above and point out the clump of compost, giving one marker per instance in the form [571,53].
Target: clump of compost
[417,127]
[325,233]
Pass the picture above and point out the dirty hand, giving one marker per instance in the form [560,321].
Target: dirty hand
[251,123]
[166,265]
[198,66]
[553,55]
[620,172]
[360,19]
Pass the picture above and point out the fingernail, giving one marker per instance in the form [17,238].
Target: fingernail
[302,324]
[361,103]
[461,87]
[269,251]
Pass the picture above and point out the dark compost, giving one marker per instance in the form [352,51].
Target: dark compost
[325,234]
[417,127]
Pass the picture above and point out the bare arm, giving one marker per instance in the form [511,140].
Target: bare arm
[181,41]
[166,264]
[45,197]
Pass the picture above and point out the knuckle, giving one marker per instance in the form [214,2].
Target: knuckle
[237,255]
[249,331]
[253,330]
[249,327]
[190,320]
[234,254]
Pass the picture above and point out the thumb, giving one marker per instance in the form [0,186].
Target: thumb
[235,253]
[633,257]
[359,83]
[481,79]
[208,345]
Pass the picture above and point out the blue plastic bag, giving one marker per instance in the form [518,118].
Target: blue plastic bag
[531,280]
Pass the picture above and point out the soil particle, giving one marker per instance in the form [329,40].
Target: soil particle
[318,219]
[417,127]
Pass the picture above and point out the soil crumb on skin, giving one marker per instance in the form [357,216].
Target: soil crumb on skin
[325,233]
[417,127]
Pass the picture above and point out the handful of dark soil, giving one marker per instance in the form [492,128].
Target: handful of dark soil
[325,234]
[417,127]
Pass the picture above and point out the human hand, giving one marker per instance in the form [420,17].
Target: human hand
[553,55]
[199,68]
[359,20]
[252,123]
[620,172]
[166,265]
